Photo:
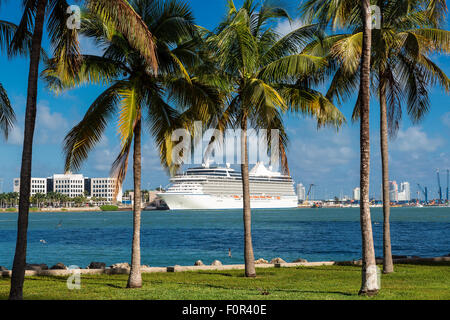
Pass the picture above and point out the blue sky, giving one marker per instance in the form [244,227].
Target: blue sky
[327,158]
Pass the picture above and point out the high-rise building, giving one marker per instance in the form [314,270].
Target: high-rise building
[357,194]
[38,185]
[301,192]
[405,192]
[393,191]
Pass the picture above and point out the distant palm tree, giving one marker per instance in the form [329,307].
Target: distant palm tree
[138,95]
[64,42]
[264,75]
[401,72]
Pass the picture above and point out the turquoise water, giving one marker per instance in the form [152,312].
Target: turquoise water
[170,238]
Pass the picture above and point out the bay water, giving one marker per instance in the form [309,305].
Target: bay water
[181,237]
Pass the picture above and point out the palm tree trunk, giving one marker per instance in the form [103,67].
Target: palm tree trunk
[248,246]
[369,285]
[18,271]
[135,279]
[388,265]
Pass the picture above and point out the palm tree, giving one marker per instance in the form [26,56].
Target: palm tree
[400,72]
[137,94]
[343,13]
[65,47]
[264,75]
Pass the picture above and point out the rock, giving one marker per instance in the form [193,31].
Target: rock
[97,265]
[59,266]
[124,265]
[144,266]
[277,260]
[2,268]
[357,262]
[216,263]
[199,263]
[36,267]
[399,257]
[300,260]
[261,261]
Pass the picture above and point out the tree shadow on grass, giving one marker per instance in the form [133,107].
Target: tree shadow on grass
[263,290]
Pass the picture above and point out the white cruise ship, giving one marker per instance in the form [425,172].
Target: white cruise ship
[221,188]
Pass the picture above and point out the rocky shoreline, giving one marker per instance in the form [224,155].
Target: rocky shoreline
[60,269]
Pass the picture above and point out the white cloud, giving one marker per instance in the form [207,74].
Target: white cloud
[51,127]
[89,47]
[415,139]
[446,119]
[285,27]
[16,135]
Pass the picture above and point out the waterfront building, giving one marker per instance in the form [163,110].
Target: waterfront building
[301,192]
[393,191]
[71,185]
[105,188]
[38,185]
[405,192]
[357,194]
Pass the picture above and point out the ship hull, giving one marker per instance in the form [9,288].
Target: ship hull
[211,202]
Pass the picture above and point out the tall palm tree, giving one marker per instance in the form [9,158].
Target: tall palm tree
[65,47]
[264,75]
[139,96]
[401,71]
[342,13]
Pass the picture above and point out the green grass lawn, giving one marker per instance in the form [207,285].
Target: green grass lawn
[328,282]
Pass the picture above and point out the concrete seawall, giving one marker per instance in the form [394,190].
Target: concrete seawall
[62,273]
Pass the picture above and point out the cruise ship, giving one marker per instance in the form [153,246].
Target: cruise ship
[210,188]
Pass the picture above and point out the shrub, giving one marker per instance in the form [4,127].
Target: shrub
[109,208]
[11,210]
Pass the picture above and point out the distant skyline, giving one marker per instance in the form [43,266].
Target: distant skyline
[326,158]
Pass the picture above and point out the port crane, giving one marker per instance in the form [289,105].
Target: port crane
[447,186]
[424,191]
[439,186]
[309,191]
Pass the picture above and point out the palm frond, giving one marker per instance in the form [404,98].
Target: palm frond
[66,47]
[7,115]
[86,134]
[292,66]
[130,24]
[129,112]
